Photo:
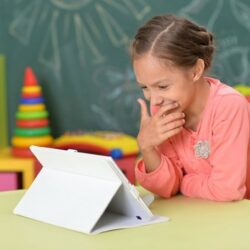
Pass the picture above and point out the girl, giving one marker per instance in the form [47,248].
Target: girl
[196,139]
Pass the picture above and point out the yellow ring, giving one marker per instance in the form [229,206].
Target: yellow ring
[26,142]
[31,89]
[33,107]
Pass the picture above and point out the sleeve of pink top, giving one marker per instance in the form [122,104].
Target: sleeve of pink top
[228,157]
[165,180]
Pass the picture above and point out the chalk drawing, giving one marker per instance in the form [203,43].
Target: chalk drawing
[228,41]
[139,8]
[240,55]
[44,14]
[241,12]
[46,56]
[22,26]
[119,94]
[85,28]
[89,29]
[84,40]
[192,8]
[66,24]
[113,75]
[197,6]
[117,5]
[93,26]
[70,4]
[215,15]
[114,31]
[104,117]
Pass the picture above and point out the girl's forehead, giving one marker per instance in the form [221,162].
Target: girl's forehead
[150,70]
[151,64]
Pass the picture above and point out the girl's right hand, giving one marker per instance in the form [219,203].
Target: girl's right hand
[157,128]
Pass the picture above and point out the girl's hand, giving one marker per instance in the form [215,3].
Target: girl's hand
[157,128]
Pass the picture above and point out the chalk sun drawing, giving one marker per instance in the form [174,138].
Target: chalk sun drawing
[62,17]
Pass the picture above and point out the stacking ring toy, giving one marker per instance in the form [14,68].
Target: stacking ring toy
[32,132]
[21,152]
[32,100]
[31,115]
[36,123]
[34,107]
[31,89]
[31,95]
[28,141]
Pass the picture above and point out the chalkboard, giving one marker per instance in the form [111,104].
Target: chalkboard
[79,52]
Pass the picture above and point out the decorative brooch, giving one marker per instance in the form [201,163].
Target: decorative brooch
[202,149]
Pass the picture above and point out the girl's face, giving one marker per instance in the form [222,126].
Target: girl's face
[162,84]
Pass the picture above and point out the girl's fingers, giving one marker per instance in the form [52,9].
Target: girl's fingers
[165,109]
[173,132]
[144,110]
[173,125]
[172,117]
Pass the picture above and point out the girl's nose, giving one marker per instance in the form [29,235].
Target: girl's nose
[156,100]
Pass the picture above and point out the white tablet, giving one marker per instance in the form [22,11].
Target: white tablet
[83,192]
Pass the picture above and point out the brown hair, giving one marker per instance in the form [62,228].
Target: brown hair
[174,39]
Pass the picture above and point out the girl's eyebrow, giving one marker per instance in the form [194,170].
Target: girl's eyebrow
[161,81]
[155,83]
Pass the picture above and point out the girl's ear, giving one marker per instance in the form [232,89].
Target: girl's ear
[198,69]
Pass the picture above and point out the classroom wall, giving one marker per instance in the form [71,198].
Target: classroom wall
[79,51]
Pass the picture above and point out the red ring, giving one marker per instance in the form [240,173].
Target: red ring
[36,123]
[31,95]
[21,152]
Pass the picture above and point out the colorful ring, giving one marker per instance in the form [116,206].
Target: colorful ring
[33,107]
[32,100]
[22,152]
[31,95]
[36,123]
[30,132]
[31,115]
[21,142]
[31,89]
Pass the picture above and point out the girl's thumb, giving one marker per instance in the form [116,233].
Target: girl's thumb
[144,109]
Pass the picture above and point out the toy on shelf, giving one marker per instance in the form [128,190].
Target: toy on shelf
[32,125]
[121,147]
[117,145]
[244,90]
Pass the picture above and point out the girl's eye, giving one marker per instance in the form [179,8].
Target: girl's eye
[143,87]
[163,87]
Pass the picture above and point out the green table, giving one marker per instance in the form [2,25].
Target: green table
[195,224]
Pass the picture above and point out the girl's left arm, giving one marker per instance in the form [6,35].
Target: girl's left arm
[228,156]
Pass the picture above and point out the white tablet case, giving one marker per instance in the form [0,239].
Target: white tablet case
[83,192]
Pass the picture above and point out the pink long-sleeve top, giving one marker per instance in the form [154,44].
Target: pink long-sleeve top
[212,162]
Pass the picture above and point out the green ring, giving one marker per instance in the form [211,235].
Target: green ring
[31,114]
[30,132]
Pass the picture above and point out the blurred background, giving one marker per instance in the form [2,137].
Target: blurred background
[78,50]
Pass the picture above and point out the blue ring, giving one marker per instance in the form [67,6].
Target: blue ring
[32,100]
[116,153]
